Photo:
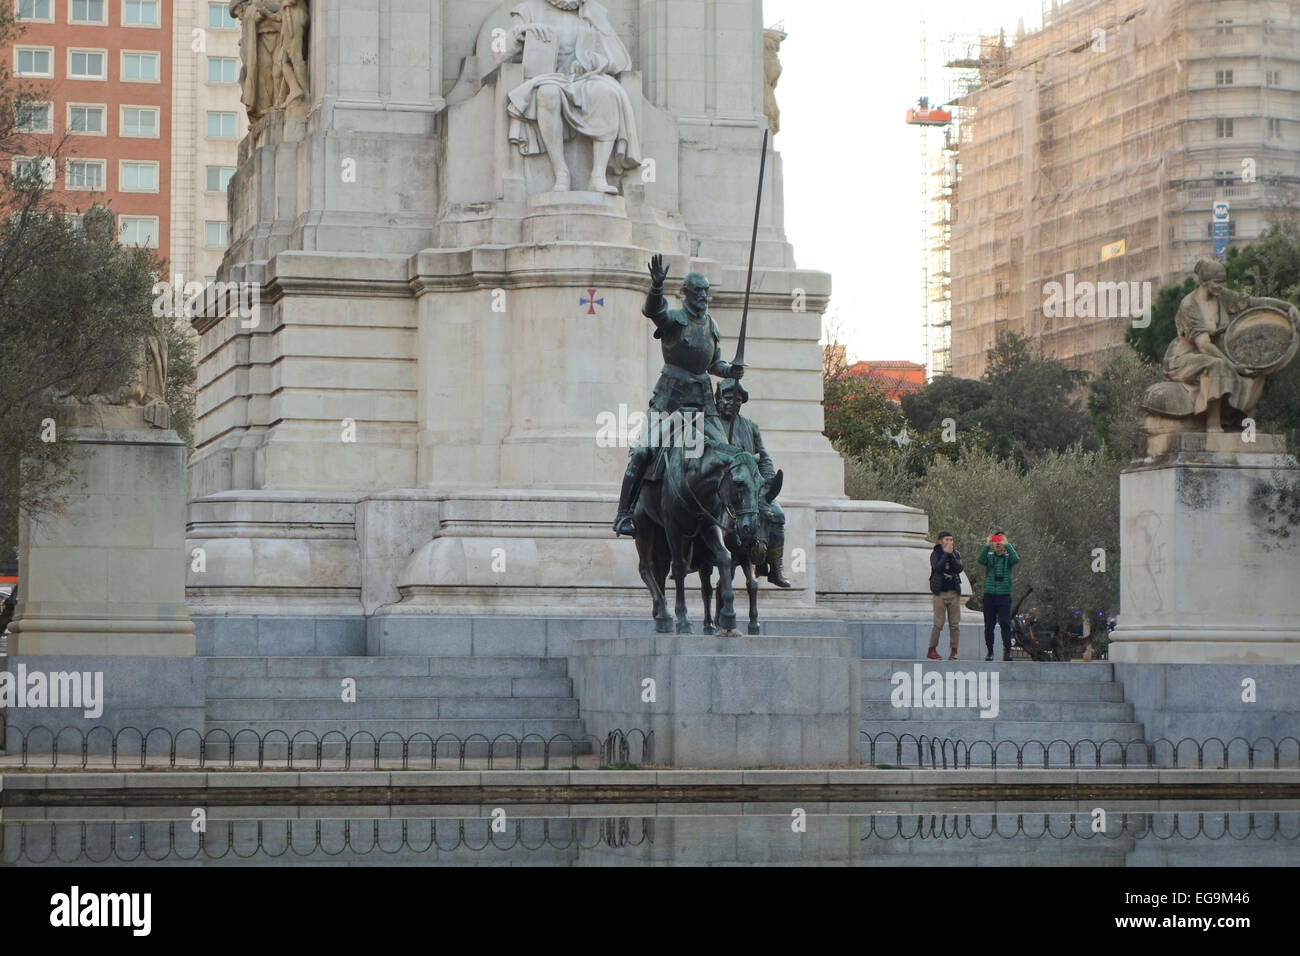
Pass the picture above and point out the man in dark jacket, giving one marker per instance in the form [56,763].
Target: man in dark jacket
[945,585]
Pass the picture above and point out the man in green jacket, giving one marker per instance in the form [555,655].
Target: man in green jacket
[999,557]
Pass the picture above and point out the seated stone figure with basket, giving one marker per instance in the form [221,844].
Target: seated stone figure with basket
[1227,345]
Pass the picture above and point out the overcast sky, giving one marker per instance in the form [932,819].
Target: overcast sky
[852,165]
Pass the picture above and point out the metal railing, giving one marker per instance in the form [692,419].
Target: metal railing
[1238,825]
[948,754]
[217,746]
[68,842]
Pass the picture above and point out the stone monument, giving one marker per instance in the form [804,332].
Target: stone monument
[1202,582]
[448,237]
[101,580]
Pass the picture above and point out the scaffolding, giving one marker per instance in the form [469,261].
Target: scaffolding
[1094,148]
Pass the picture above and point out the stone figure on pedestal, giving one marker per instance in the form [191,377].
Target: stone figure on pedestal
[272,44]
[572,58]
[772,40]
[1227,345]
[149,389]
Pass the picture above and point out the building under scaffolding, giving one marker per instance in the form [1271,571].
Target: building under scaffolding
[1095,150]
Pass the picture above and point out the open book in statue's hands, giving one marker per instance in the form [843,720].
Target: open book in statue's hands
[541,55]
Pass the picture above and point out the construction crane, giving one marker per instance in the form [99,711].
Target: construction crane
[924,115]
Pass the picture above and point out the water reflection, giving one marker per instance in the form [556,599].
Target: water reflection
[1263,834]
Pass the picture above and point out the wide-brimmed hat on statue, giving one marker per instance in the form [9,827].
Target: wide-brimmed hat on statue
[730,384]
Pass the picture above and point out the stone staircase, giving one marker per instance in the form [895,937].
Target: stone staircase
[462,696]
[1036,701]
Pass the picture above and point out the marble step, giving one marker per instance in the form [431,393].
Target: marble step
[1048,671]
[358,667]
[1011,689]
[503,685]
[1049,712]
[395,708]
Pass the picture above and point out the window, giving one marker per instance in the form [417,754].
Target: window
[219,17]
[221,125]
[223,69]
[1223,77]
[140,13]
[1273,77]
[86,118]
[34,61]
[140,121]
[86,173]
[142,67]
[138,231]
[1223,27]
[135,176]
[87,11]
[35,118]
[219,178]
[87,64]
[36,10]
[1275,128]
[1224,177]
[214,234]
[30,167]
[76,222]
[1223,129]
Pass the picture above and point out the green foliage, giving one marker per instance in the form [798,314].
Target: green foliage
[75,308]
[1151,342]
[859,416]
[981,492]
[1114,403]
[1270,266]
[182,374]
[960,399]
[1031,411]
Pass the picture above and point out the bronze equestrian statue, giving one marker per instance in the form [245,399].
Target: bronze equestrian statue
[687,485]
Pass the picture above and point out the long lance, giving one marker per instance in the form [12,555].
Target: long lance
[753,245]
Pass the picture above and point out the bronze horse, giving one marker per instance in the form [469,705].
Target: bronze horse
[685,515]
[749,561]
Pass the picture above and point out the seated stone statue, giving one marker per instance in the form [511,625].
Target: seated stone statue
[1200,378]
[578,94]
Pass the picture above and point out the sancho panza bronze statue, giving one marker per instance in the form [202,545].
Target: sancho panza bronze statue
[744,434]
[692,350]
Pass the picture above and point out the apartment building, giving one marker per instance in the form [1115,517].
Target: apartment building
[208,121]
[1097,151]
[103,71]
[141,100]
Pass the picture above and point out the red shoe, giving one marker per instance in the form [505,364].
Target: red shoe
[933,655]
[953,655]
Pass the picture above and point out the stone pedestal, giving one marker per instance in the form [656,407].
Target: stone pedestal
[101,589]
[726,702]
[415,426]
[1202,580]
